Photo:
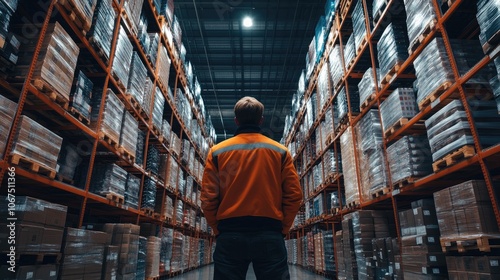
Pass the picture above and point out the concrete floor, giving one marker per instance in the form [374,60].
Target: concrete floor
[206,273]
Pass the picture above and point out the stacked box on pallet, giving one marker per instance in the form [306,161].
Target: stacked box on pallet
[148,200]
[85,10]
[336,66]
[495,83]
[433,69]
[141,258]
[108,179]
[167,9]
[111,122]
[310,58]
[81,95]
[7,112]
[349,167]
[83,254]
[7,9]
[349,50]
[167,235]
[129,133]
[177,32]
[166,130]
[371,154]
[172,173]
[103,24]
[421,252]
[126,237]
[467,53]
[449,130]
[179,212]
[139,149]
[358,22]
[163,66]
[367,86]
[110,262]
[419,15]
[159,103]
[123,58]
[142,33]
[349,256]
[474,267]
[323,87]
[163,165]
[68,160]
[168,209]
[177,252]
[186,145]
[321,34]
[343,106]
[153,257]
[319,254]
[385,251]
[400,104]
[133,10]
[148,96]
[36,144]
[394,11]
[189,188]
[152,50]
[56,62]
[329,252]
[392,48]
[176,145]
[138,74]
[409,157]
[153,160]
[132,191]
[488,17]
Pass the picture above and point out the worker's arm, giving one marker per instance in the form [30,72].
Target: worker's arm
[292,193]
[210,193]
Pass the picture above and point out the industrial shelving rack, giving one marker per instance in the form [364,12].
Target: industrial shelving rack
[85,207]
[453,21]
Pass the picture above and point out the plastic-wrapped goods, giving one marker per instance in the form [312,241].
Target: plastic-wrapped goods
[132,186]
[321,35]
[163,165]
[177,252]
[158,107]
[176,144]
[172,173]
[69,158]
[126,237]
[358,22]
[85,11]
[103,24]
[419,15]
[448,129]
[323,87]
[148,194]
[467,53]
[141,258]
[56,62]
[329,253]
[112,115]
[488,17]
[133,10]
[400,104]
[177,32]
[319,254]
[181,183]
[392,48]
[349,167]
[129,133]
[318,205]
[152,49]
[191,161]
[138,73]
[123,58]
[432,68]
[336,66]
[7,112]
[350,50]
[189,187]
[371,154]
[153,160]
[84,252]
[179,211]
[142,33]
[108,178]
[36,143]
[330,7]
[367,86]
[167,9]
[168,210]
[163,66]
[311,58]
[183,53]
[186,146]
[110,263]
[139,149]
[148,96]
[81,95]
[330,163]
[409,157]
[153,257]
[343,105]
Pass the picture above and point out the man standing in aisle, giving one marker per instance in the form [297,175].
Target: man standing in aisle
[250,196]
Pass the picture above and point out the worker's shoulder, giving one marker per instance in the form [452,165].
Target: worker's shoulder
[249,139]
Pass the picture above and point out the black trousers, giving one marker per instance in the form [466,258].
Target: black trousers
[234,251]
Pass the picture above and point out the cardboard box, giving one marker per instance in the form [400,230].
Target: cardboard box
[51,240]
[46,272]
[442,200]
[28,237]
[55,215]
[424,217]
[488,264]
[26,272]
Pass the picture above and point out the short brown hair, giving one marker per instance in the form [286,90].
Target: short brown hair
[248,110]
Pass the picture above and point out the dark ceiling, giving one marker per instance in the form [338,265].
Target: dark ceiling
[264,61]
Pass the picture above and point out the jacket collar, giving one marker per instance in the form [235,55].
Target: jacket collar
[247,128]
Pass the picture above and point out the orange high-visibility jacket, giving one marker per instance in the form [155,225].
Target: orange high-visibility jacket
[250,177]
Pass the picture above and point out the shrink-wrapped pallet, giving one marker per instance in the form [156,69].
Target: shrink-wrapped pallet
[349,167]
[148,200]
[36,144]
[488,17]
[323,93]
[349,50]
[367,87]
[159,103]
[129,134]
[141,258]
[133,10]
[392,48]
[7,112]
[153,257]
[419,16]
[112,117]
[399,105]
[132,191]
[108,179]
[103,24]
[122,58]
[81,95]
[163,66]
[336,66]
[409,157]
[138,73]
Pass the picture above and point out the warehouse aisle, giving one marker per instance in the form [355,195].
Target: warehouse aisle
[206,272]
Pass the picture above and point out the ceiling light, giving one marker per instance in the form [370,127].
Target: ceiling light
[247,21]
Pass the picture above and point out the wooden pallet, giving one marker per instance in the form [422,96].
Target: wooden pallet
[335,211]
[128,23]
[75,15]
[463,244]
[343,123]
[434,95]
[118,81]
[48,90]
[367,101]
[393,72]
[156,131]
[352,204]
[110,140]
[404,182]
[65,180]
[344,7]
[380,192]
[153,278]
[420,38]
[115,197]
[32,165]
[329,138]
[400,123]
[79,116]
[148,212]
[492,43]
[379,13]
[100,52]
[361,45]
[454,157]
